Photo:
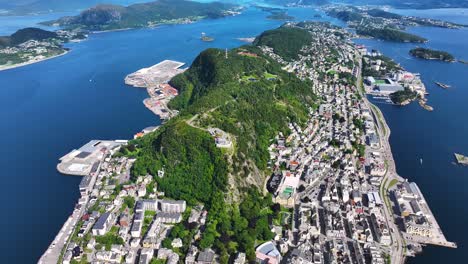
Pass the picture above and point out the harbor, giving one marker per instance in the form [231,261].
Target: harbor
[156,81]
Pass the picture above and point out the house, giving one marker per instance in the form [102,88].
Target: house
[171,218]
[206,257]
[170,206]
[103,224]
[146,255]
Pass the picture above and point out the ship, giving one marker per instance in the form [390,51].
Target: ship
[443,85]
[462,160]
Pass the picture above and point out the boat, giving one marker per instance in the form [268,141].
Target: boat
[443,85]
[421,161]
[461,159]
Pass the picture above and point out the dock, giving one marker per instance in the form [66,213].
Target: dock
[436,236]
[159,73]
[156,81]
[85,160]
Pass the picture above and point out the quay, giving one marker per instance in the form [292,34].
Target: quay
[85,160]
[156,81]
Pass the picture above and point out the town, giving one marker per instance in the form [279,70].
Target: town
[334,179]
[374,17]
[34,50]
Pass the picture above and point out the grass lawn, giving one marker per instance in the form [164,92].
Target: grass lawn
[269,76]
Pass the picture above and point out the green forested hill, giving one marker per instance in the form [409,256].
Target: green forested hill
[250,97]
[286,42]
[24,35]
[390,35]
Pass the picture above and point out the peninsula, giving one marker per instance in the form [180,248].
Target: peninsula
[389,34]
[31,45]
[275,155]
[381,24]
[430,54]
[115,17]
[386,80]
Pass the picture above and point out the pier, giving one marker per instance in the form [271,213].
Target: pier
[156,81]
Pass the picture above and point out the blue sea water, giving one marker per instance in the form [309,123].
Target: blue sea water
[49,108]
[435,136]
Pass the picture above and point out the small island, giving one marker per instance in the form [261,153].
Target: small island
[280,15]
[430,54]
[403,97]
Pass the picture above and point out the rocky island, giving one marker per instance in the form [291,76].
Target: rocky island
[430,54]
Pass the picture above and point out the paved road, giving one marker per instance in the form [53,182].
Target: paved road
[52,254]
[397,245]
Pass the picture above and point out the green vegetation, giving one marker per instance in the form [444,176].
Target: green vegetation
[390,66]
[286,42]
[110,239]
[381,13]
[24,35]
[254,112]
[403,96]
[111,17]
[358,123]
[390,34]
[430,54]
[196,169]
[158,261]
[345,15]
[392,183]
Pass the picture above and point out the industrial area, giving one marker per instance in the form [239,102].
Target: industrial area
[156,81]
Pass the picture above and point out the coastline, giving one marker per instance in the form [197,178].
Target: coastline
[4,68]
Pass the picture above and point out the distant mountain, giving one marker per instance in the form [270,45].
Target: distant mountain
[24,35]
[416,4]
[297,2]
[22,7]
[111,17]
